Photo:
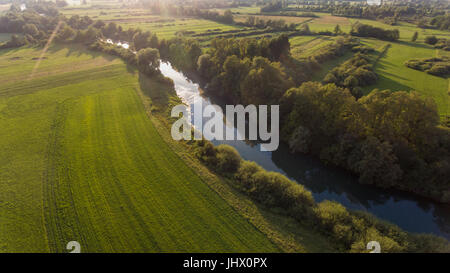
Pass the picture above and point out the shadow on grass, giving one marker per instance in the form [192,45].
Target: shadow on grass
[77,50]
[412,44]
[160,92]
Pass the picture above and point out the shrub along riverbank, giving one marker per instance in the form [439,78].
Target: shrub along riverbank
[350,230]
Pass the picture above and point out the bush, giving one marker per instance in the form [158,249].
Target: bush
[228,159]
[274,190]
[354,73]
[351,230]
[148,61]
[426,243]
[364,30]
[431,40]
[434,66]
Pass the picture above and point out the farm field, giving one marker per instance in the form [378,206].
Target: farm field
[327,22]
[82,161]
[241,10]
[110,14]
[287,19]
[169,30]
[4,8]
[394,75]
[304,46]
[406,30]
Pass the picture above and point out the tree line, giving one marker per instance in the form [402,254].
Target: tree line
[389,139]
[364,30]
[180,10]
[258,22]
[434,66]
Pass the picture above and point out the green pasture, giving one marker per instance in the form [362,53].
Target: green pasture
[304,46]
[394,75]
[406,30]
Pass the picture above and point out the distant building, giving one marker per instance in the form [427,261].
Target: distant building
[375,2]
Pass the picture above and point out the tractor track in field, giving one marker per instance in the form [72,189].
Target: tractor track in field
[55,212]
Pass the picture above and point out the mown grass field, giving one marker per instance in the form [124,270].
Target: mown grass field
[81,161]
[394,75]
[304,46]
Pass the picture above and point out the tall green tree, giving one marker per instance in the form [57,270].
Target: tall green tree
[148,60]
[415,36]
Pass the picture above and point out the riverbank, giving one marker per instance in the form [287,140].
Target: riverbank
[285,231]
[409,211]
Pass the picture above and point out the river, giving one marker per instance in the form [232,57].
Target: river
[408,211]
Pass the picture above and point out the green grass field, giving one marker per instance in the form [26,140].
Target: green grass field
[242,10]
[81,161]
[394,75]
[168,30]
[304,46]
[406,30]
[327,22]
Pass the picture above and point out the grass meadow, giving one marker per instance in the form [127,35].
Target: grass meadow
[82,161]
[394,75]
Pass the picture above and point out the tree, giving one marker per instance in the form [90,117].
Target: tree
[415,36]
[337,30]
[431,40]
[265,83]
[228,159]
[110,30]
[31,29]
[304,29]
[234,71]
[148,60]
[193,51]
[91,35]
[378,164]
[228,17]
[141,40]
[279,47]
[206,67]
[65,34]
